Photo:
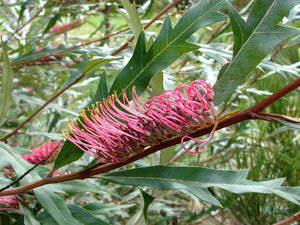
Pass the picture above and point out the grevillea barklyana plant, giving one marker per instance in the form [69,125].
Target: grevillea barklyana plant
[113,129]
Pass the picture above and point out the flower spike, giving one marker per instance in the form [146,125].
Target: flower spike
[115,129]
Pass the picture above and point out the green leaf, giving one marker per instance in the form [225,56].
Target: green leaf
[168,46]
[132,18]
[140,217]
[54,205]
[77,186]
[29,218]
[79,71]
[196,180]
[9,155]
[102,91]
[290,193]
[253,40]
[287,123]
[68,153]
[84,216]
[33,101]
[148,199]
[34,55]
[96,64]
[6,85]
[51,23]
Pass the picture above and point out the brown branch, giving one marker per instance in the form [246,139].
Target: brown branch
[88,173]
[291,219]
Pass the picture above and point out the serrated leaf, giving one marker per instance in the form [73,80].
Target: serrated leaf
[96,63]
[54,205]
[140,218]
[132,18]
[148,199]
[168,46]
[196,180]
[254,39]
[33,54]
[290,193]
[79,71]
[6,85]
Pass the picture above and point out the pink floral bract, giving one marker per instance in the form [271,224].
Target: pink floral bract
[42,152]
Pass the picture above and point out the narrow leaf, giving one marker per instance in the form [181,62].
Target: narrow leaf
[254,39]
[54,205]
[6,85]
[287,123]
[29,218]
[84,216]
[196,180]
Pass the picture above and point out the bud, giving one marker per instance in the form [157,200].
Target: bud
[42,152]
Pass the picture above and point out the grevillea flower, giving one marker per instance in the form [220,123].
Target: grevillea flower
[42,152]
[114,129]
[66,27]
[10,201]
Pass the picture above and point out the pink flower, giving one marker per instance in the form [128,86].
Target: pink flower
[113,129]
[42,152]
[65,27]
[10,201]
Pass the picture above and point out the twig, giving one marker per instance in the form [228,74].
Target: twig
[88,173]
[32,18]
[293,218]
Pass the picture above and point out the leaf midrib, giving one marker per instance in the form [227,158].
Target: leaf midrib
[171,179]
[54,205]
[241,49]
[4,89]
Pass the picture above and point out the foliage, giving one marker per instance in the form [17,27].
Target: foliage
[246,50]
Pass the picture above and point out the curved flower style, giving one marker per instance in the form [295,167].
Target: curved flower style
[10,201]
[113,129]
[42,152]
